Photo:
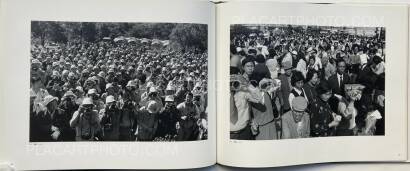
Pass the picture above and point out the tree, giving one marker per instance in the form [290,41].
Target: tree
[190,36]
[89,31]
[39,29]
[238,29]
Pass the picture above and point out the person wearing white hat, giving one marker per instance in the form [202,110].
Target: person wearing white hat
[71,82]
[111,89]
[37,88]
[296,123]
[98,103]
[147,121]
[49,124]
[170,89]
[110,120]
[131,93]
[168,118]
[151,94]
[189,113]
[85,121]
[36,71]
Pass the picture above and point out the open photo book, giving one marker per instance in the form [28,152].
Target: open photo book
[188,84]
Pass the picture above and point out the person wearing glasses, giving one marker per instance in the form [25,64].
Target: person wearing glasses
[296,122]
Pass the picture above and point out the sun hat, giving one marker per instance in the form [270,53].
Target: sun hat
[299,104]
[110,99]
[169,98]
[48,99]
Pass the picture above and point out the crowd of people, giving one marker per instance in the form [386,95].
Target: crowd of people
[117,91]
[287,83]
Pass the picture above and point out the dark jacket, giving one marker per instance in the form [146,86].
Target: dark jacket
[42,123]
[334,84]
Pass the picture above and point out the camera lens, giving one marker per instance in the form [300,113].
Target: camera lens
[235,84]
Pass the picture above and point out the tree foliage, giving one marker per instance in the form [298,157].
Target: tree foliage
[180,35]
[186,35]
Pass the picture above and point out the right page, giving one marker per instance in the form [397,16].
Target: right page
[307,83]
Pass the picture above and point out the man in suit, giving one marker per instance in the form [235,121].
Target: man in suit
[337,83]
[338,80]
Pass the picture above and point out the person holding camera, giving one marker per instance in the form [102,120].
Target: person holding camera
[241,97]
[54,85]
[128,106]
[86,121]
[263,113]
[110,120]
[71,83]
[187,129]
[147,121]
[168,118]
[69,105]
[98,104]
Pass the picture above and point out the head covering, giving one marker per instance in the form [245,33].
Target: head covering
[54,64]
[264,81]
[170,86]
[309,49]
[48,99]
[65,72]
[92,91]
[111,70]
[79,88]
[101,74]
[35,61]
[131,83]
[87,101]
[153,107]
[69,93]
[109,99]
[299,103]
[150,84]
[71,74]
[55,73]
[286,65]
[169,98]
[109,85]
[152,90]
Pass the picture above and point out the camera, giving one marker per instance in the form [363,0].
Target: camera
[235,85]
[108,127]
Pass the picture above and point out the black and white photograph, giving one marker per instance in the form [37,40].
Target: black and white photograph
[113,81]
[305,81]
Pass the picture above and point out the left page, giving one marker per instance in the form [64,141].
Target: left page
[107,85]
